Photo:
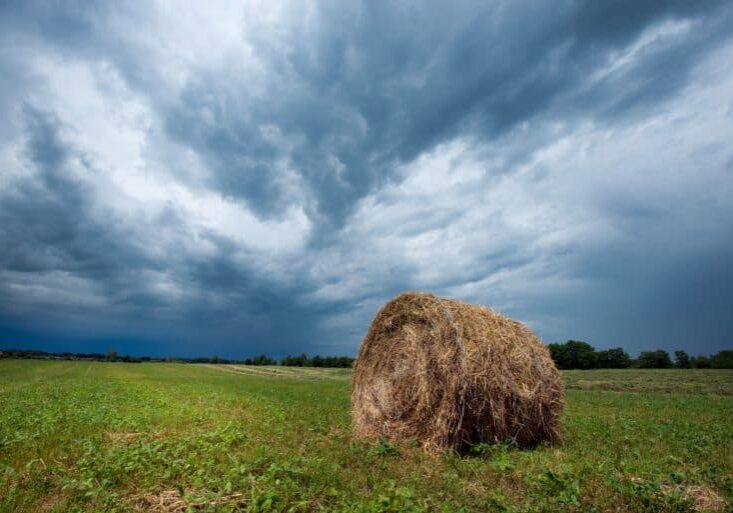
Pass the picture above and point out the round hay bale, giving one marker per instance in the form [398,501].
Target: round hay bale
[451,374]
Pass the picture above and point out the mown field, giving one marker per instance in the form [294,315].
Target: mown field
[165,437]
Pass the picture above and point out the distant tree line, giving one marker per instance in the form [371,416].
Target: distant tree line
[262,359]
[572,354]
[111,355]
[302,360]
[575,354]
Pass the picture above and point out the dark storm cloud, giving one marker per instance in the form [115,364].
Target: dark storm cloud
[48,226]
[325,111]
[47,223]
[377,85]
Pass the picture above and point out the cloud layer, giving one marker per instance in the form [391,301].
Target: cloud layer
[241,178]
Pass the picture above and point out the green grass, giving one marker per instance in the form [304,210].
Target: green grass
[124,437]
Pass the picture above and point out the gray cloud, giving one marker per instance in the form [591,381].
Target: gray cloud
[236,179]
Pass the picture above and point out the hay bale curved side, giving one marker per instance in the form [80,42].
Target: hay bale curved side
[451,374]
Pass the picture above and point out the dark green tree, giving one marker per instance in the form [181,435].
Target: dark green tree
[700,362]
[658,359]
[615,358]
[573,354]
[262,359]
[682,360]
[301,360]
[722,360]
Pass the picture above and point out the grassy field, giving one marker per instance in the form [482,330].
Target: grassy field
[166,437]
[699,381]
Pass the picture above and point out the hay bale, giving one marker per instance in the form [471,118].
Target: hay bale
[451,374]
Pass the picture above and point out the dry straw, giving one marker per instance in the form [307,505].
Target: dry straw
[451,374]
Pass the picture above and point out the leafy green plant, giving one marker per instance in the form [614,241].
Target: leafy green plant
[384,447]
[563,487]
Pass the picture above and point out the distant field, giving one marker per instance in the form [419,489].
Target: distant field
[165,437]
[697,381]
[285,372]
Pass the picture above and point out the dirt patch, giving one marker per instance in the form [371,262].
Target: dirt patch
[123,438]
[171,501]
[50,502]
[703,498]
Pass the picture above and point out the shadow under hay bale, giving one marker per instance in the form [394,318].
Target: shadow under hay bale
[451,374]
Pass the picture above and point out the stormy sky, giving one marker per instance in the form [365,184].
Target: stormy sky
[231,178]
